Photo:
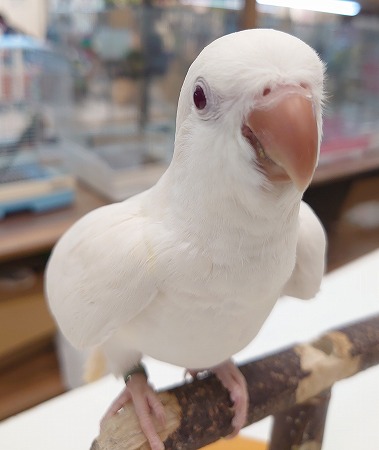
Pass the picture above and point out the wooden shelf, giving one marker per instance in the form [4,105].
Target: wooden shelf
[24,323]
[29,233]
[346,168]
[30,382]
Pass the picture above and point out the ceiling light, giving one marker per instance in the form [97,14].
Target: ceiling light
[341,7]
[223,4]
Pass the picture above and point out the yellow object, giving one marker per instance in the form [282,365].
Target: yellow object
[238,443]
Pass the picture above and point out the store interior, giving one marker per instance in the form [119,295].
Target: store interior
[88,97]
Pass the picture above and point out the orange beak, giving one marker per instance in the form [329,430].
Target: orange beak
[285,132]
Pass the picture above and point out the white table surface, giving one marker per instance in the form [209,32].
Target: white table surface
[70,421]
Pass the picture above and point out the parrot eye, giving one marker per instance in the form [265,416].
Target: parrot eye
[199,97]
[205,100]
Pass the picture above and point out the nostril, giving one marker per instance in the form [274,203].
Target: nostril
[266,91]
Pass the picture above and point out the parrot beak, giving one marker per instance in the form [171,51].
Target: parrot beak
[283,131]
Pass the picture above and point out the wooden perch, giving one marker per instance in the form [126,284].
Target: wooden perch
[301,426]
[295,381]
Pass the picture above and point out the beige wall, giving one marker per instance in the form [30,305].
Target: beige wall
[28,15]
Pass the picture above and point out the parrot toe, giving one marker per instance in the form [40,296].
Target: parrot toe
[233,380]
[146,404]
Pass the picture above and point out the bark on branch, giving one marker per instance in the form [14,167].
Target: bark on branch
[301,426]
[200,412]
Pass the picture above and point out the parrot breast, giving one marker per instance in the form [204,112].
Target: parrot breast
[210,312]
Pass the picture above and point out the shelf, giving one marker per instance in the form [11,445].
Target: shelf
[346,168]
[33,380]
[25,324]
[24,234]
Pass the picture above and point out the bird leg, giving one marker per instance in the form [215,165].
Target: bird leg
[146,404]
[233,380]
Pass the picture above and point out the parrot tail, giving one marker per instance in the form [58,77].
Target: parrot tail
[95,366]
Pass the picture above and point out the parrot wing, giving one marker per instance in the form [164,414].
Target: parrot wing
[100,273]
[309,269]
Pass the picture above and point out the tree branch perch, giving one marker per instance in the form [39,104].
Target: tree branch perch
[200,412]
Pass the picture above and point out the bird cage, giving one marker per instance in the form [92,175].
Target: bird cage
[34,80]
[35,92]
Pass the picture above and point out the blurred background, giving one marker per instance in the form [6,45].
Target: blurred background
[88,95]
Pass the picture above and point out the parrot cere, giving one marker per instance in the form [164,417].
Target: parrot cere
[188,271]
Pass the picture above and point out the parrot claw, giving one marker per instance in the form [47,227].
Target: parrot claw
[233,380]
[198,374]
[146,404]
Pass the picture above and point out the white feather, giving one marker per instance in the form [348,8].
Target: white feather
[188,271]
[310,256]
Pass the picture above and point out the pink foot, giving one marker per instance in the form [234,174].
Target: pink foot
[146,404]
[233,380]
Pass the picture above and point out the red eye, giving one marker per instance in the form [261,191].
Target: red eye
[199,98]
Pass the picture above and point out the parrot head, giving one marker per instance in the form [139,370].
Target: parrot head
[251,108]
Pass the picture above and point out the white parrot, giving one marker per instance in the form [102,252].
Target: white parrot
[188,271]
